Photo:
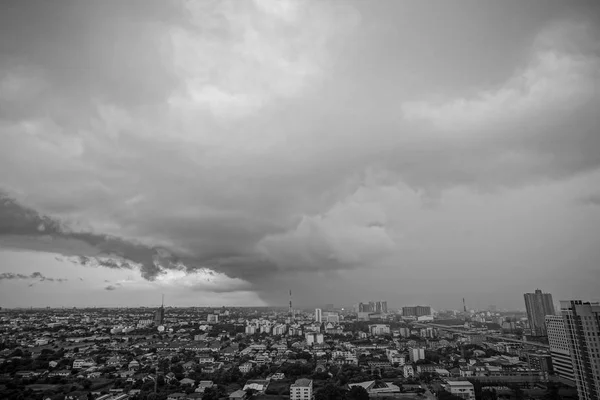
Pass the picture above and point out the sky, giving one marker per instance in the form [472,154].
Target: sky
[226,152]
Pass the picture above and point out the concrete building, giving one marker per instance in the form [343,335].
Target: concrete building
[318,315]
[559,348]
[582,323]
[538,305]
[301,390]
[214,318]
[462,389]
[331,317]
[416,353]
[379,329]
[416,311]
[159,316]
[314,338]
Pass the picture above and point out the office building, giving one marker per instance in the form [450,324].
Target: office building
[582,323]
[559,348]
[318,315]
[416,311]
[301,390]
[538,305]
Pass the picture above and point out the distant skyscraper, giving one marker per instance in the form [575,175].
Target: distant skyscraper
[559,347]
[159,314]
[538,305]
[318,315]
[381,307]
[582,323]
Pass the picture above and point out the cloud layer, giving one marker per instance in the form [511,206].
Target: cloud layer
[228,148]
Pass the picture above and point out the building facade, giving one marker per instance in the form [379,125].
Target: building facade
[538,305]
[301,389]
[416,311]
[318,315]
[582,323]
[462,389]
[559,348]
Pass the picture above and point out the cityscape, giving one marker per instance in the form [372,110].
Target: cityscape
[299,200]
[368,351]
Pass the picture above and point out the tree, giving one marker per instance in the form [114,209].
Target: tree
[330,392]
[358,393]
[210,394]
[250,393]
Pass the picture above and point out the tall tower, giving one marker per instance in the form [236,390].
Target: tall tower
[291,309]
[582,323]
[464,305]
[159,314]
[538,305]
[318,315]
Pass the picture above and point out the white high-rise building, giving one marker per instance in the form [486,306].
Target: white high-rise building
[582,323]
[416,353]
[318,315]
[559,347]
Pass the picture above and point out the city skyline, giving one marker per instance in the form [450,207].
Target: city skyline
[225,154]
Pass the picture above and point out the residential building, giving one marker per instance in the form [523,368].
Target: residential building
[582,323]
[559,348]
[314,338]
[416,353]
[214,318]
[379,329]
[538,305]
[301,389]
[462,389]
[318,315]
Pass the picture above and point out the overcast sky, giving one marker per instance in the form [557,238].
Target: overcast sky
[225,152]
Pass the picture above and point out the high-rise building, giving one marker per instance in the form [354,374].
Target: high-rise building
[416,353]
[416,311]
[364,307]
[159,316]
[538,305]
[559,348]
[582,323]
[381,307]
[318,315]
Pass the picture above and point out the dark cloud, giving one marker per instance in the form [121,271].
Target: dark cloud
[110,287]
[18,220]
[35,276]
[591,200]
[154,150]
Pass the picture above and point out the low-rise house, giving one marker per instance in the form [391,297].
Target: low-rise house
[238,395]
[203,385]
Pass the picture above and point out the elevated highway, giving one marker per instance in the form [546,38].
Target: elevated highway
[487,335]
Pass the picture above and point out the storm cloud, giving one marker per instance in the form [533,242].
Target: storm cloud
[282,143]
[34,276]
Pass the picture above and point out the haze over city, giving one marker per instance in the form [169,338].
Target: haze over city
[224,153]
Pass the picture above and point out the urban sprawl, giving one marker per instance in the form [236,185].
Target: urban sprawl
[360,352]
